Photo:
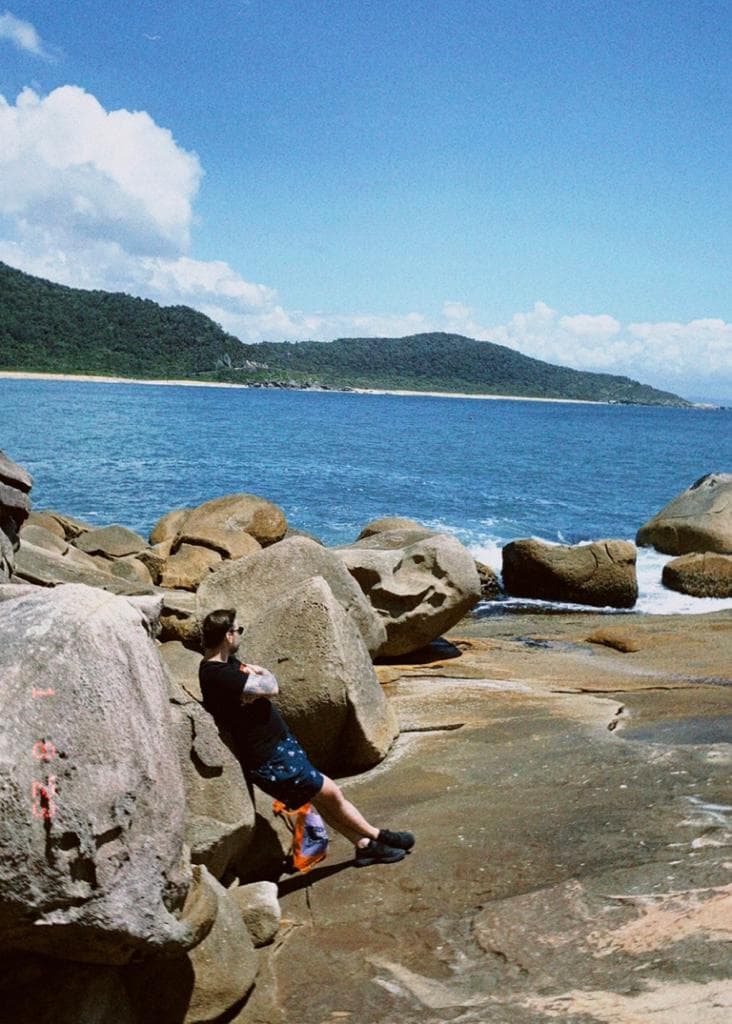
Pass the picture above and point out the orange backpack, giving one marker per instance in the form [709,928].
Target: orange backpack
[309,835]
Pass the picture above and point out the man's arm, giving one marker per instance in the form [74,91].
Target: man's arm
[260,683]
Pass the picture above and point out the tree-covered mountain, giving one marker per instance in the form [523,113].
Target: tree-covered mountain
[46,327]
[447,362]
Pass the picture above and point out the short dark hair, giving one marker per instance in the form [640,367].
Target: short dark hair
[216,625]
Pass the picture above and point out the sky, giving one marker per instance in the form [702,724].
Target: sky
[551,175]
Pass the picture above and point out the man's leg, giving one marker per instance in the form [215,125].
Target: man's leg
[342,815]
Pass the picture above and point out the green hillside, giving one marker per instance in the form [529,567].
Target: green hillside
[50,328]
[46,327]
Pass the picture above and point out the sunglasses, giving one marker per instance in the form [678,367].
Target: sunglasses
[236,629]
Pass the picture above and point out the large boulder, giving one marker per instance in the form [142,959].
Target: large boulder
[219,810]
[700,575]
[601,574]
[111,542]
[71,527]
[166,528]
[419,585]
[260,910]
[179,618]
[188,566]
[251,584]
[91,794]
[210,980]
[217,523]
[15,485]
[329,693]
[48,568]
[698,519]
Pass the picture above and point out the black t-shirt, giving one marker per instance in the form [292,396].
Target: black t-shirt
[257,727]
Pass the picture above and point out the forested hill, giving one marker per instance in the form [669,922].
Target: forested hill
[46,327]
[448,362]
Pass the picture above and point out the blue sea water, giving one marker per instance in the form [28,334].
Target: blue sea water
[489,471]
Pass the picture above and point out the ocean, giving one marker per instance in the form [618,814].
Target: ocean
[488,471]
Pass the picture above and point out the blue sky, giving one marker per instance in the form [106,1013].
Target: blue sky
[554,176]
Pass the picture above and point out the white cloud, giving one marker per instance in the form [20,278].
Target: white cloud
[104,199]
[77,171]
[22,34]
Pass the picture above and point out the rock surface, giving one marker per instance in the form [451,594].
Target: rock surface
[698,519]
[92,799]
[206,983]
[219,822]
[329,694]
[388,523]
[571,861]
[419,585]
[701,575]
[260,910]
[235,513]
[251,584]
[48,568]
[112,541]
[600,574]
[188,567]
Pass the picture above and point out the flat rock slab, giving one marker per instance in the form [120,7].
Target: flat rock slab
[565,868]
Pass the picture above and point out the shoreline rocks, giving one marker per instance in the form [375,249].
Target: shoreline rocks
[600,574]
[15,486]
[698,519]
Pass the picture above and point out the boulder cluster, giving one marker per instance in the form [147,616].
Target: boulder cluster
[135,862]
[697,526]
[133,881]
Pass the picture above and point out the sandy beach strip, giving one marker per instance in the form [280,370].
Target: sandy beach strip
[95,379]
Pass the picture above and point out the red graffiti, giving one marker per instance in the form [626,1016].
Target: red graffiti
[42,794]
[50,692]
[44,751]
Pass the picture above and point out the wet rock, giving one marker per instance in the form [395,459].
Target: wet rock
[260,910]
[600,574]
[700,575]
[419,585]
[490,587]
[251,584]
[329,694]
[698,519]
[92,815]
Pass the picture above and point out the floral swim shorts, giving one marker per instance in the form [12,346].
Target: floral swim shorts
[287,775]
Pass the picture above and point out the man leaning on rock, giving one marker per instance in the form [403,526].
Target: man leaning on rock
[237,695]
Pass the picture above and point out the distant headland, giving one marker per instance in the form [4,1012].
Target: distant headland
[47,328]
